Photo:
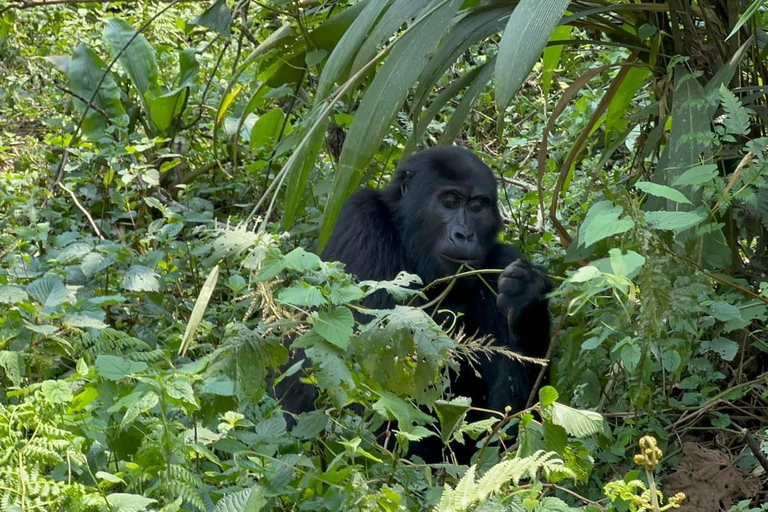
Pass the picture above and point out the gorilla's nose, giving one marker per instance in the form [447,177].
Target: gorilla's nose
[460,235]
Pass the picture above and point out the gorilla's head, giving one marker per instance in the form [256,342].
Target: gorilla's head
[445,204]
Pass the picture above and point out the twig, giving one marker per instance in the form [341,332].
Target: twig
[547,357]
[756,451]
[80,207]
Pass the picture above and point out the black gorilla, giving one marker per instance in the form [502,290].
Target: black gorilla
[441,211]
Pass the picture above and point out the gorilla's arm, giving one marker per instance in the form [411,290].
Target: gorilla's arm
[365,238]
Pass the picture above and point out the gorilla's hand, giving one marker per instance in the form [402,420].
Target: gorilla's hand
[520,285]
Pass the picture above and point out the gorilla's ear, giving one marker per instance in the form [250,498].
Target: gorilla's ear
[405,178]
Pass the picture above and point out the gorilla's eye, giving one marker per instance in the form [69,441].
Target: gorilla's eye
[450,201]
[477,205]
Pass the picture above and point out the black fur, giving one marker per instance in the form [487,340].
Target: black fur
[412,225]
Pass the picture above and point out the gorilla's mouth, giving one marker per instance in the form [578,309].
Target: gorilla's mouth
[461,261]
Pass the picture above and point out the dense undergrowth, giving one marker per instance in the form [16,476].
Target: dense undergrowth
[163,195]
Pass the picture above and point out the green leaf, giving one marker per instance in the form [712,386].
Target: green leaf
[602,221]
[671,360]
[310,424]
[736,115]
[120,502]
[617,117]
[12,294]
[724,311]
[673,221]
[625,265]
[576,422]
[181,389]
[116,368]
[392,407]
[247,500]
[382,101]
[217,17]
[548,395]
[138,59]
[451,415]
[302,294]
[220,385]
[630,355]
[664,191]
[141,279]
[48,291]
[461,113]
[84,74]
[301,260]
[524,39]
[199,310]
[348,46]
[551,57]
[82,321]
[56,391]
[696,175]
[334,326]
[267,129]
[725,348]
[344,293]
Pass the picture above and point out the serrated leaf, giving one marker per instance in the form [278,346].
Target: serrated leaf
[116,368]
[93,263]
[548,395]
[602,221]
[724,311]
[696,175]
[625,265]
[672,221]
[344,293]
[335,326]
[302,294]
[48,291]
[671,360]
[664,191]
[725,348]
[301,260]
[576,422]
[81,321]
[630,356]
[220,385]
[181,389]
[247,500]
[736,115]
[12,294]
[310,424]
[525,36]
[56,391]
[141,279]
[217,17]
[121,502]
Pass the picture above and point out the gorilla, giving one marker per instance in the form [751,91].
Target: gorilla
[440,212]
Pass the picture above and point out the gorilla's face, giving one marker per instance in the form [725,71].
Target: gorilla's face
[447,210]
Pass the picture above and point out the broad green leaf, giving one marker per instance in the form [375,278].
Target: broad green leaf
[625,265]
[220,385]
[602,221]
[630,355]
[348,46]
[266,130]
[181,389]
[392,407]
[551,57]
[524,39]
[381,102]
[121,502]
[12,294]
[166,108]
[301,260]
[548,395]
[217,17]
[671,360]
[725,348]
[310,424]
[141,279]
[577,422]
[48,291]
[56,391]
[85,72]
[247,500]
[138,59]
[451,415]
[14,366]
[334,326]
[302,294]
[140,403]
[664,191]
[116,368]
[696,175]
[344,293]
[724,311]
[81,321]
[673,221]
[197,312]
